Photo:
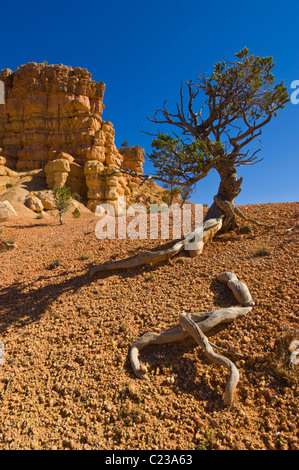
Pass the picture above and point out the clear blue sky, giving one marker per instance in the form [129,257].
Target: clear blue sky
[142,51]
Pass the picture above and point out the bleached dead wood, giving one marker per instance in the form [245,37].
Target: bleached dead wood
[294,349]
[239,289]
[193,243]
[194,324]
[205,321]
[193,329]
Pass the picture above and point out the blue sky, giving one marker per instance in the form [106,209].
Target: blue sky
[142,51]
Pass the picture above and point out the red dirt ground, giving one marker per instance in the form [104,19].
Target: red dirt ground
[67,383]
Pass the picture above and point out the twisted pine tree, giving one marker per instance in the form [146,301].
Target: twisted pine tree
[223,114]
[213,128]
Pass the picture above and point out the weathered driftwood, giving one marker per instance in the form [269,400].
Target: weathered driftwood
[205,321]
[192,243]
[239,289]
[193,329]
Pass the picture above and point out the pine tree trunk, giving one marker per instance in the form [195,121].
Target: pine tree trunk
[220,218]
[224,201]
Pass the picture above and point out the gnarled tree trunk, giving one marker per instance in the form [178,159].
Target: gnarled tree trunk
[220,218]
[224,201]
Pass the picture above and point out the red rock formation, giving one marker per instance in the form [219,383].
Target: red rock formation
[52,119]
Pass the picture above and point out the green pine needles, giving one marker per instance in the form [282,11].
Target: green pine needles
[217,121]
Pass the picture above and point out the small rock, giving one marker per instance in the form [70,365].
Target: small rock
[170,380]
[34,204]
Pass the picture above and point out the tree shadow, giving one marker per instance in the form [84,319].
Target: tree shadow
[22,303]
[42,223]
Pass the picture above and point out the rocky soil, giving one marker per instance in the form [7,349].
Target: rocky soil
[66,381]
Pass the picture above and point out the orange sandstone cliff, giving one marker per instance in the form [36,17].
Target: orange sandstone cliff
[52,120]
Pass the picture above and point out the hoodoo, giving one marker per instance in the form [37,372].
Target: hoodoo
[52,120]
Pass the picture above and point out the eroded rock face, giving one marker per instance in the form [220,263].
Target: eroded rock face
[133,158]
[52,119]
[48,107]
[46,198]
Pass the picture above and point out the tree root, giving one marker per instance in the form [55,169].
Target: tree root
[205,322]
[194,324]
[147,257]
[228,209]
[239,289]
[193,329]
[193,244]
[250,219]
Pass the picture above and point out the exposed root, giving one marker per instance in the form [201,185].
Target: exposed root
[193,244]
[228,209]
[239,289]
[250,219]
[194,324]
[193,329]
[147,257]
[204,321]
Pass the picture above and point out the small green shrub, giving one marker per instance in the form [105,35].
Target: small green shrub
[9,185]
[245,228]
[165,199]
[76,213]
[85,257]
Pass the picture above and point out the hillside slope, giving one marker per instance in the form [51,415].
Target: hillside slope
[66,381]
